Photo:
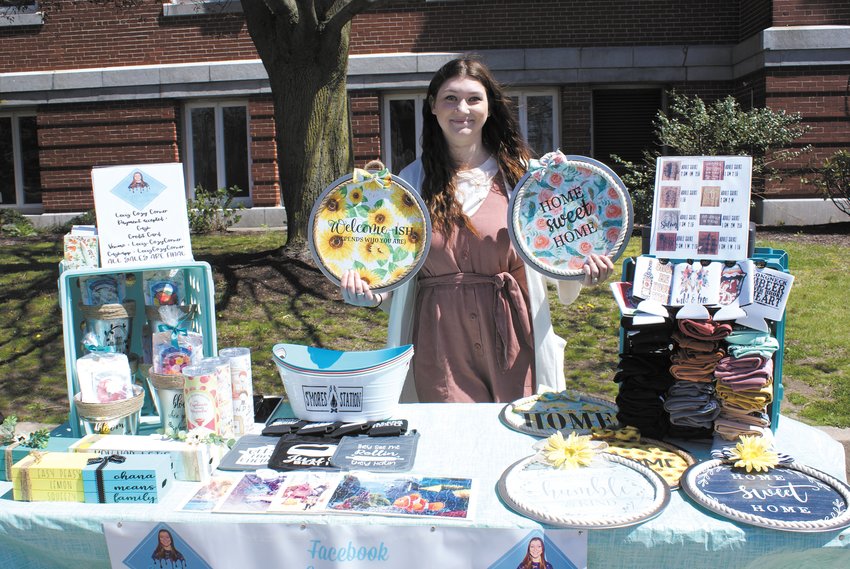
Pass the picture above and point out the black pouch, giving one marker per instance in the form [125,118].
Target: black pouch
[282,426]
[321,429]
[391,428]
[351,429]
[295,452]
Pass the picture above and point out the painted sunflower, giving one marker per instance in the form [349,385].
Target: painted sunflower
[414,239]
[334,246]
[355,194]
[369,277]
[371,252]
[381,217]
[407,206]
[333,207]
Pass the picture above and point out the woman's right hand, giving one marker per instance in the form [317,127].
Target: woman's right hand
[356,291]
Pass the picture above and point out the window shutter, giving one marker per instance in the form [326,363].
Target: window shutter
[622,123]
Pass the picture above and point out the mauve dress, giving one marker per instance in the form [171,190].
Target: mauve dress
[472,331]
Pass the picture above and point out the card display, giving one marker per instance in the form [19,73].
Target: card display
[701,208]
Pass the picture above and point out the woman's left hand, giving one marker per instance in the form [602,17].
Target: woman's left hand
[597,269]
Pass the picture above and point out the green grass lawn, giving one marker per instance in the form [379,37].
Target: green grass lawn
[261,301]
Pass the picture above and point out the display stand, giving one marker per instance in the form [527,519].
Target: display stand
[199,290]
[763,257]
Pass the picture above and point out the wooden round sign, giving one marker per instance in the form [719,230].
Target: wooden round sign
[566,208]
[374,223]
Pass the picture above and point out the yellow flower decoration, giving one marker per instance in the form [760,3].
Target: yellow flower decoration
[408,206]
[397,273]
[371,251]
[334,246]
[625,434]
[754,453]
[368,277]
[355,195]
[333,208]
[381,217]
[413,240]
[572,452]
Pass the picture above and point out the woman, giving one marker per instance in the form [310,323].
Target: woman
[477,316]
[166,555]
[535,556]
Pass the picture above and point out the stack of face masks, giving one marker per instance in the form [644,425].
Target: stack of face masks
[745,384]
[691,401]
[644,379]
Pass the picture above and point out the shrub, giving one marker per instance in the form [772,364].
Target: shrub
[692,128]
[14,224]
[834,180]
[213,211]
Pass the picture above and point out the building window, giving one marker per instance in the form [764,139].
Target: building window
[20,183]
[217,147]
[623,123]
[536,112]
[402,130]
[538,119]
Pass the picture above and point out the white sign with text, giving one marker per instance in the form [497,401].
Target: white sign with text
[139,545]
[141,214]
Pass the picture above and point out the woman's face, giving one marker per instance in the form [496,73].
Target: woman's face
[535,548]
[461,108]
[165,539]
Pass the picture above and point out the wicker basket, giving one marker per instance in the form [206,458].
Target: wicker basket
[100,412]
[111,324]
[166,381]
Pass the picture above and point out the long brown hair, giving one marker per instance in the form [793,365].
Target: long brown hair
[527,562]
[500,135]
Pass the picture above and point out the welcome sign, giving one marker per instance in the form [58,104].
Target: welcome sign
[373,223]
[141,214]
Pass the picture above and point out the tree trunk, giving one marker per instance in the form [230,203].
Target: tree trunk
[307,64]
[313,142]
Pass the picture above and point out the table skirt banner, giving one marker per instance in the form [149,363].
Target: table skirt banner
[140,545]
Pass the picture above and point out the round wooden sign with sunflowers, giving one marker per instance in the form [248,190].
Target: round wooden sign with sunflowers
[372,222]
[566,208]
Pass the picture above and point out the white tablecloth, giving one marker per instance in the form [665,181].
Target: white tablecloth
[465,440]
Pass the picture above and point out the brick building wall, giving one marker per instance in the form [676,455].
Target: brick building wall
[414,26]
[823,98]
[811,12]
[264,172]
[72,138]
[93,34]
[365,109]
[85,34]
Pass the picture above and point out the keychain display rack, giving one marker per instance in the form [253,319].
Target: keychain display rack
[762,257]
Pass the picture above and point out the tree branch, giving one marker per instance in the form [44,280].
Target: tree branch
[280,8]
[343,11]
[307,14]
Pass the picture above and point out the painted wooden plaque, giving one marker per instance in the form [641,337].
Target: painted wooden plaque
[791,498]
[667,460]
[566,208]
[611,492]
[371,222]
[565,411]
